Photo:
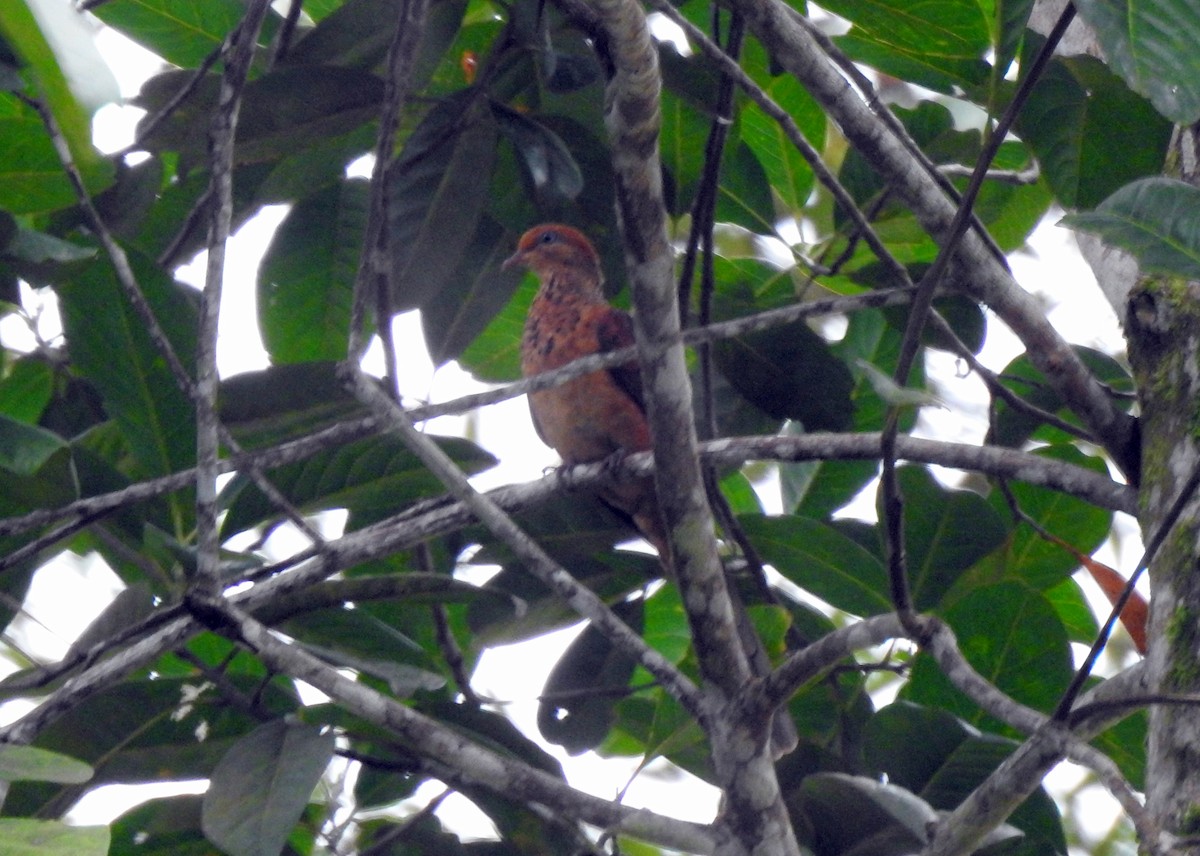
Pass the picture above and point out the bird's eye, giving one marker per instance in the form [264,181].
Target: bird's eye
[548,237]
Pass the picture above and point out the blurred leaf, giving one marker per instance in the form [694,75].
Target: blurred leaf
[167,826]
[744,193]
[282,402]
[822,561]
[1155,220]
[261,786]
[25,448]
[31,175]
[683,126]
[30,763]
[857,815]
[25,836]
[494,356]
[1091,134]
[306,279]
[1150,43]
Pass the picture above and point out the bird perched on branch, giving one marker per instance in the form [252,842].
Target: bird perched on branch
[602,414]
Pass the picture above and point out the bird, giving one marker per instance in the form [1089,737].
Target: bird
[600,416]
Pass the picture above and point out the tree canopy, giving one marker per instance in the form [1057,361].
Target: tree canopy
[798,204]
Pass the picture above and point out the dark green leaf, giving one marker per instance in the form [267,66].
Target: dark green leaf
[1012,636]
[373,478]
[281,402]
[1152,43]
[857,815]
[111,347]
[744,194]
[168,826]
[31,176]
[261,786]
[473,295]
[822,561]
[945,533]
[575,710]
[434,198]
[25,448]
[549,166]
[1091,134]
[1155,220]
[306,279]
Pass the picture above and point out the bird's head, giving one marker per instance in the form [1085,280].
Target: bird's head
[553,247]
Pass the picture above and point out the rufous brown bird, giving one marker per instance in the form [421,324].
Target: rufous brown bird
[602,414]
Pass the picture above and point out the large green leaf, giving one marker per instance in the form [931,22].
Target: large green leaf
[938,44]
[1152,44]
[24,448]
[434,196]
[945,533]
[494,355]
[25,836]
[168,826]
[306,279]
[1090,133]
[790,175]
[1155,220]
[31,763]
[1028,556]
[474,294]
[1013,638]
[111,347]
[822,561]
[282,402]
[66,71]
[183,32]
[260,788]
[943,760]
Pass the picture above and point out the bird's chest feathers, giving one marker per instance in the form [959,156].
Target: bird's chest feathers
[590,417]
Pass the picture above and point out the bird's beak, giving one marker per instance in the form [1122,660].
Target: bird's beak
[515,260]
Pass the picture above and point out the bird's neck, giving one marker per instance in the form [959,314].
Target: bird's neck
[563,284]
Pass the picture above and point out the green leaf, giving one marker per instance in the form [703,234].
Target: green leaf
[1154,219]
[261,786]
[1011,635]
[822,561]
[31,176]
[374,478]
[857,815]
[1030,557]
[183,32]
[790,175]
[282,402]
[168,826]
[495,354]
[939,44]
[777,369]
[744,193]
[1151,43]
[1013,427]
[31,763]
[945,533]
[25,448]
[61,57]
[575,710]
[24,836]
[306,279]
[474,294]
[111,348]
[549,166]
[434,198]
[1090,133]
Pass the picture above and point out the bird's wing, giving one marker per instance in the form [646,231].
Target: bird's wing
[614,330]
